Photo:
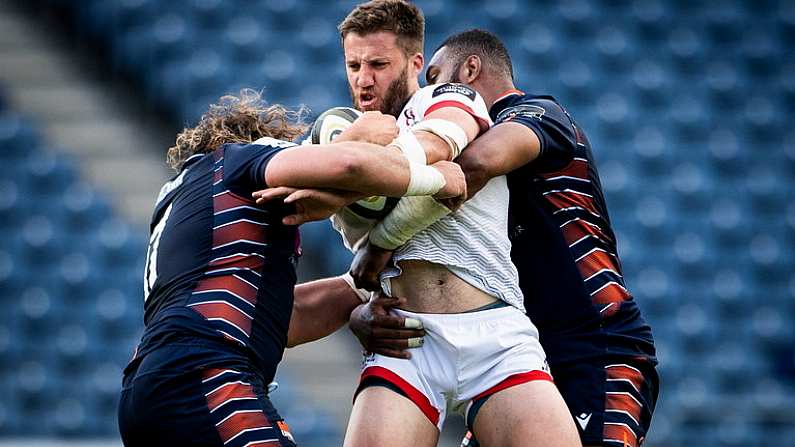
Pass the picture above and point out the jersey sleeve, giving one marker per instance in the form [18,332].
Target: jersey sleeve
[552,125]
[244,164]
[435,97]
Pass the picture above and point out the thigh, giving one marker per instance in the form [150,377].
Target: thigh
[201,408]
[611,400]
[529,414]
[630,397]
[382,417]
[240,410]
[164,408]
[583,387]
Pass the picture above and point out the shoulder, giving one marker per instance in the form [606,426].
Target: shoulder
[243,151]
[244,163]
[441,92]
[268,141]
[528,107]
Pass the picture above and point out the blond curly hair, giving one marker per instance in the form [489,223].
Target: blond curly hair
[236,119]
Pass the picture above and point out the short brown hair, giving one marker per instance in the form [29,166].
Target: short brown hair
[236,119]
[397,16]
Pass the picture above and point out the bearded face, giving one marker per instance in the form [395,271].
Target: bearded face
[393,100]
[381,75]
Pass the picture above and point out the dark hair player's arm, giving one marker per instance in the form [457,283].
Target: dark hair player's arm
[548,140]
[504,148]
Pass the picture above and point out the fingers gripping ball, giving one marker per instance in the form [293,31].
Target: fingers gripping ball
[328,126]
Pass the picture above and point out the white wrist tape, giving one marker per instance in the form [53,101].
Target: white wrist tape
[424,180]
[408,144]
[410,216]
[363,295]
[450,132]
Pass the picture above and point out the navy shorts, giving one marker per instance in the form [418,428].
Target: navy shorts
[168,399]
[611,400]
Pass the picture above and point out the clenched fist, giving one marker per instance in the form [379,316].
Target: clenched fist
[455,188]
[371,127]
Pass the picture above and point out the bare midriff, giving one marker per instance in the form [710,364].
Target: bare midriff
[432,288]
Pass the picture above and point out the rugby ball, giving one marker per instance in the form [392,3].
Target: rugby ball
[326,127]
[331,123]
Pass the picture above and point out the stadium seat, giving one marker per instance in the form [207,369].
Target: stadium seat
[244,36]
[723,25]
[577,80]
[16,137]
[651,19]
[209,14]
[759,51]
[687,50]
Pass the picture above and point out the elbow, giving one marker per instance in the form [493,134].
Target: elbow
[348,167]
[475,170]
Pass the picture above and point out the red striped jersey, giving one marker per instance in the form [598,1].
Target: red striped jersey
[562,242]
[219,266]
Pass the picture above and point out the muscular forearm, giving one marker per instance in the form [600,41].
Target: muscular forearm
[349,166]
[361,167]
[320,308]
[503,149]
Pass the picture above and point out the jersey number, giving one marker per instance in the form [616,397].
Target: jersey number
[150,272]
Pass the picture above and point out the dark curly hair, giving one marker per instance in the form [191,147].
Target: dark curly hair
[236,119]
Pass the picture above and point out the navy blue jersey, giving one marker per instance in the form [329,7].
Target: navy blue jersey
[219,267]
[562,242]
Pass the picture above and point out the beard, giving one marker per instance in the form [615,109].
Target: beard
[396,96]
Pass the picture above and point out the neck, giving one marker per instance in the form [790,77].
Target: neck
[494,90]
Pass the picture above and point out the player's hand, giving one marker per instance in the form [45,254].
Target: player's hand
[455,188]
[368,262]
[371,127]
[383,333]
[310,204]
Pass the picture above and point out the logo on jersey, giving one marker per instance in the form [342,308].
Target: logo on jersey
[268,141]
[459,89]
[285,429]
[411,118]
[583,419]
[170,186]
[522,111]
[369,357]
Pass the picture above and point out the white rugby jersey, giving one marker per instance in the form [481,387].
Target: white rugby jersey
[471,242]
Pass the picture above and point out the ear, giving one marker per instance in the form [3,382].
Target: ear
[470,69]
[417,61]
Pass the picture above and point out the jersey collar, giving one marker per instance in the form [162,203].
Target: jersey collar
[497,107]
[508,93]
[192,159]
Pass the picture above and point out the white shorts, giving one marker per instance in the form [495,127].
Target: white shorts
[465,357]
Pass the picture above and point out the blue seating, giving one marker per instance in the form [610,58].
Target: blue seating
[687,106]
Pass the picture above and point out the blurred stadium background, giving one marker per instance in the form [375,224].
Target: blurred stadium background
[689,105]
